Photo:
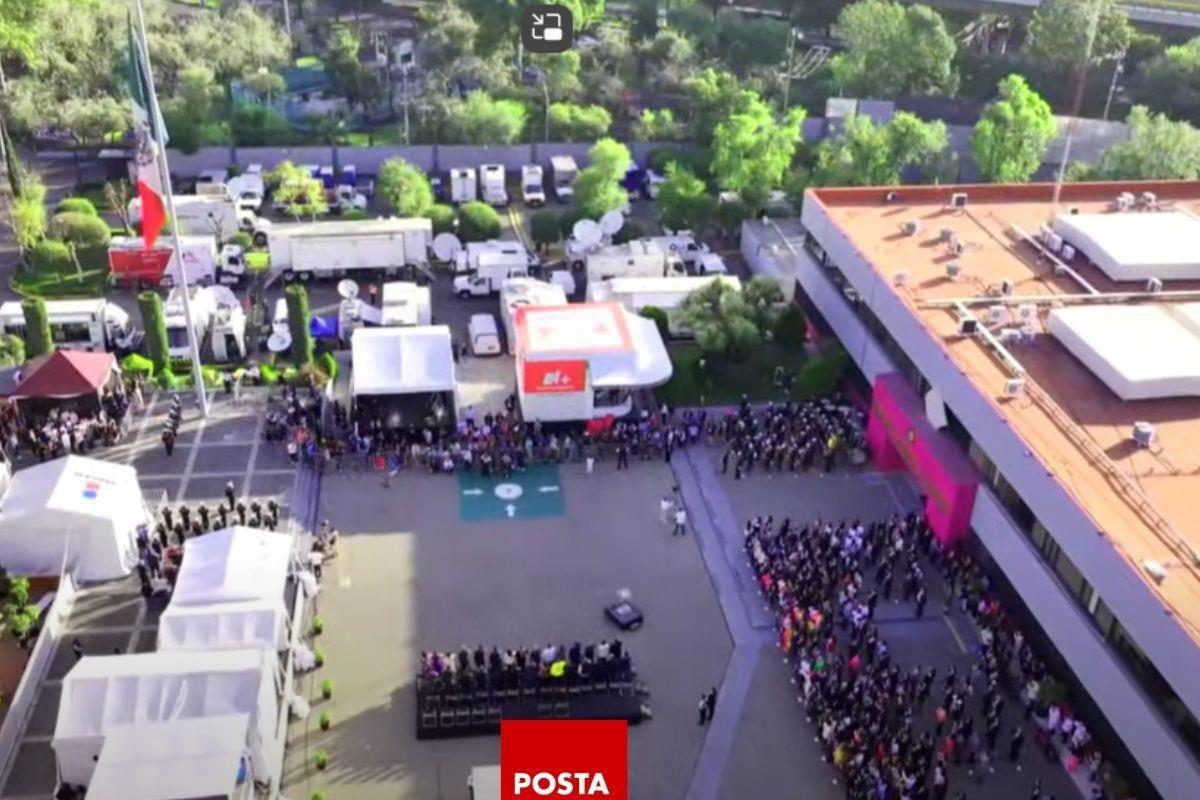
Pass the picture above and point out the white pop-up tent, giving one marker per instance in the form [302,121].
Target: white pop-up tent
[76,511]
[229,593]
[195,759]
[105,693]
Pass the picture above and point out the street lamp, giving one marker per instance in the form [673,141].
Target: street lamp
[532,75]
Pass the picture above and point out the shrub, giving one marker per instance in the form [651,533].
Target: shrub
[12,350]
[80,229]
[319,794]
[318,625]
[321,758]
[166,379]
[660,320]
[300,323]
[478,222]
[821,376]
[567,220]
[355,214]
[242,239]
[18,591]
[270,375]
[137,364]
[324,720]
[50,256]
[77,205]
[21,620]
[328,364]
[319,656]
[544,227]
[38,339]
[442,217]
[154,323]
[791,329]
[327,688]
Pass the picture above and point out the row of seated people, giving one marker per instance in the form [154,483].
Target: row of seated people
[524,667]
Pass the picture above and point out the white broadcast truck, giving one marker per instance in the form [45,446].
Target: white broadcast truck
[336,248]
[94,325]
[563,170]
[204,215]
[637,259]
[492,178]
[463,186]
[405,304]
[131,263]
[217,317]
[532,190]
[483,267]
[696,256]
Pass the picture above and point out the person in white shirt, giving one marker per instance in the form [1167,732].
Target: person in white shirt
[680,522]
[664,509]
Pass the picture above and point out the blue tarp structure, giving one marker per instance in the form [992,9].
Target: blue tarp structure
[323,327]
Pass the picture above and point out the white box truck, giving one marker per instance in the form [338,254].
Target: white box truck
[204,215]
[335,248]
[463,188]
[695,255]
[92,324]
[217,317]
[532,190]
[132,264]
[636,259]
[665,293]
[563,170]
[493,177]
[405,304]
[482,267]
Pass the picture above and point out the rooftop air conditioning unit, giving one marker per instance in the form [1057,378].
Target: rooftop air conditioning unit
[1144,434]
[958,200]
[957,247]
[911,227]
[1148,200]
[1027,312]
[900,278]
[946,235]
[953,270]
[1010,336]
[1014,387]
[1155,570]
[1007,287]
[1068,252]
[968,326]
[997,314]
[1054,242]
[1154,285]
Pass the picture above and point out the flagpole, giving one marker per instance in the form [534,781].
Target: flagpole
[165,176]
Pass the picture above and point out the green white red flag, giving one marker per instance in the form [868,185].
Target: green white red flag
[150,137]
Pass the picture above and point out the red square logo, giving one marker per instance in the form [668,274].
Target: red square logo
[564,759]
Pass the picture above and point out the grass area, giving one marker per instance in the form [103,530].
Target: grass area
[723,381]
[309,62]
[383,136]
[90,283]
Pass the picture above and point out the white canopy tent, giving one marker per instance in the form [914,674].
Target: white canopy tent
[1135,246]
[229,593]
[396,361]
[102,694]
[195,759]
[73,511]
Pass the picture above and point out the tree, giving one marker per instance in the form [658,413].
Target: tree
[1060,33]
[894,49]
[713,96]
[791,329]
[752,152]
[117,195]
[748,43]
[574,123]
[481,119]
[258,126]
[154,322]
[301,194]
[560,71]
[660,319]
[300,325]
[264,83]
[762,296]
[478,222]
[12,350]
[684,201]
[598,187]
[543,227]
[1170,82]
[38,339]
[27,213]
[443,218]
[669,59]
[658,125]
[1158,149]
[1011,137]
[730,216]
[404,188]
[866,154]
[343,60]
[719,317]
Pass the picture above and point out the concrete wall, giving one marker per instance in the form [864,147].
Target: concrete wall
[1165,642]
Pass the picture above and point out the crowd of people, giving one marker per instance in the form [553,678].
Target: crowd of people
[521,667]
[792,436]
[893,732]
[62,430]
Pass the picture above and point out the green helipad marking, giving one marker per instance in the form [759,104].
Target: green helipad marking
[536,492]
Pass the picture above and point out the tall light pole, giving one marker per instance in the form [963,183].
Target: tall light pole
[1118,71]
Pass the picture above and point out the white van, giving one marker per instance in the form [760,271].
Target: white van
[485,336]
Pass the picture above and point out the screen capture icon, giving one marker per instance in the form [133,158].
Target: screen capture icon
[547,28]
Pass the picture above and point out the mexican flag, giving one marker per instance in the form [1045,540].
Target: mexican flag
[151,136]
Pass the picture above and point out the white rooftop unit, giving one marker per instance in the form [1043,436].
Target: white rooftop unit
[1141,352]
[1136,246]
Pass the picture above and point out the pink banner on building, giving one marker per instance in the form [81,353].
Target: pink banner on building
[901,437]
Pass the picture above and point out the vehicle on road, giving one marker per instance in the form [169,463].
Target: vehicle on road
[336,248]
[217,318]
[482,267]
[563,170]
[132,264]
[492,176]
[532,190]
[463,186]
[640,258]
[485,336]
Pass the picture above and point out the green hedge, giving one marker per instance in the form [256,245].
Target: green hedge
[38,339]
[80,229]
[442,217]
[77,205]
[50,256]
[478,222]
[137,364]
[154,322]
[329,365]
[299,320]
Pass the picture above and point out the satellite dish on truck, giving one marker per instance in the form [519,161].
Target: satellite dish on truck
[612,222]
[588,232]
[279,342]
[446,247]
[347,289]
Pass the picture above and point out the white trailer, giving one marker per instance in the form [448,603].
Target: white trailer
[492,177]
[563,169]
[334,248]
[637,259]
[463,187]
[523,293]
[405,303]
[532,190]
[204,215]
[482,267]
[92,325]
[217,317]
[634,294]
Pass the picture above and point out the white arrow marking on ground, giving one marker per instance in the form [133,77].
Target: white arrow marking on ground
[473,491]
[511,510]
[547,488]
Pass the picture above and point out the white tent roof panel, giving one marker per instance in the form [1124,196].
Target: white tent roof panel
[1141,352]
[1136,245]
[415,360]
[622,350]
